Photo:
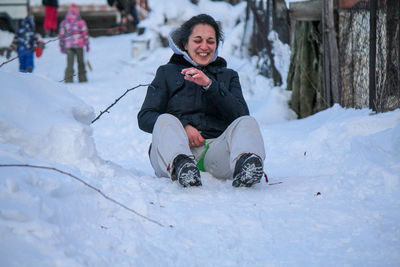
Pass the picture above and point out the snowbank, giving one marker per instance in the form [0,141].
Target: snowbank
[44,119]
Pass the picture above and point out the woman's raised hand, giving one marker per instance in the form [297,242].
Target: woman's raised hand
[196,76]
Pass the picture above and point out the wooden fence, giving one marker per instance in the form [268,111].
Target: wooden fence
[359,47]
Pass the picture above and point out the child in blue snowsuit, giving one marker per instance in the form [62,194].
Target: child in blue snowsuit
[24,43]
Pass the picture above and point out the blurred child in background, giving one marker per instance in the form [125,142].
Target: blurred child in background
[50,17]
[24,43]
[74,37]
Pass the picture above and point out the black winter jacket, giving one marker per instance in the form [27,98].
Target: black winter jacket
[209,111]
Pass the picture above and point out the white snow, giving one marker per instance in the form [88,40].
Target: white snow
[333,196]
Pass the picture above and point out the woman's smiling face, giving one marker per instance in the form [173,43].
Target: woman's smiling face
[202,44]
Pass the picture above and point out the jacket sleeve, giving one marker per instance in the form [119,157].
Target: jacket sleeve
[227,97]
[155,102]
[36,40]
[84,33]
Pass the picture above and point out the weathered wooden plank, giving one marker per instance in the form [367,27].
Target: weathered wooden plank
[331,55]
[306,10]
[326,77]
[354,57]
[372,55]
[346,3]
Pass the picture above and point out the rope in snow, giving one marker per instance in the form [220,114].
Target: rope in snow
[20,55]
[85,183]
[116,100]
[33,49]
[49,41]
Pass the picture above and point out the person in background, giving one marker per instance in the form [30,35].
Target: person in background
[144,4]
[24,43]
[74,37]
[196,113]
[128,13]
[50,17]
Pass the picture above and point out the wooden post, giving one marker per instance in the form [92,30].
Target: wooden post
[330,63]
[372,54]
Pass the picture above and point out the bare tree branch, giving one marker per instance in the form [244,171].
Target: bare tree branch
[116,100]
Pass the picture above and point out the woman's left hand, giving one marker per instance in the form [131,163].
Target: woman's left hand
[194,136]
[196,76]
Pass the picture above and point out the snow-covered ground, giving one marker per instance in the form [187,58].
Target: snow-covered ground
[333,196]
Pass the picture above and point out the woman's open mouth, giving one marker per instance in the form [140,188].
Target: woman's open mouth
[203,54]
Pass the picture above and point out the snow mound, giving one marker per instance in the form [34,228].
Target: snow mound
[44,119]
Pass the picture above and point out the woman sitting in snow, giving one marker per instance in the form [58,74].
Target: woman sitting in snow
[196,112]
[73,37]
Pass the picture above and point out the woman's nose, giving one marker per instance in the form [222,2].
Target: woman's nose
[203,45]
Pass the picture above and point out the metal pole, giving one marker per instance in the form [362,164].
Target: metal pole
[372,54]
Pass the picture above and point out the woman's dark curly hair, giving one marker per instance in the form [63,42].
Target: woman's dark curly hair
[186,29]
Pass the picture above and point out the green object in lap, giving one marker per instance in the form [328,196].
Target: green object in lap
[200,163]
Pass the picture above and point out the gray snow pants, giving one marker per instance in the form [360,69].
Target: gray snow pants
[69,71]
[169,139]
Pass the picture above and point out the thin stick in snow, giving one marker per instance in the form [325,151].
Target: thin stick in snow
[116,100]
[85,183]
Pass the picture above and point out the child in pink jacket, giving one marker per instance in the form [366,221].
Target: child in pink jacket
[73,38]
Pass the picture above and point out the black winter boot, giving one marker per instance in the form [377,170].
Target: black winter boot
[186,171]
[248,170]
